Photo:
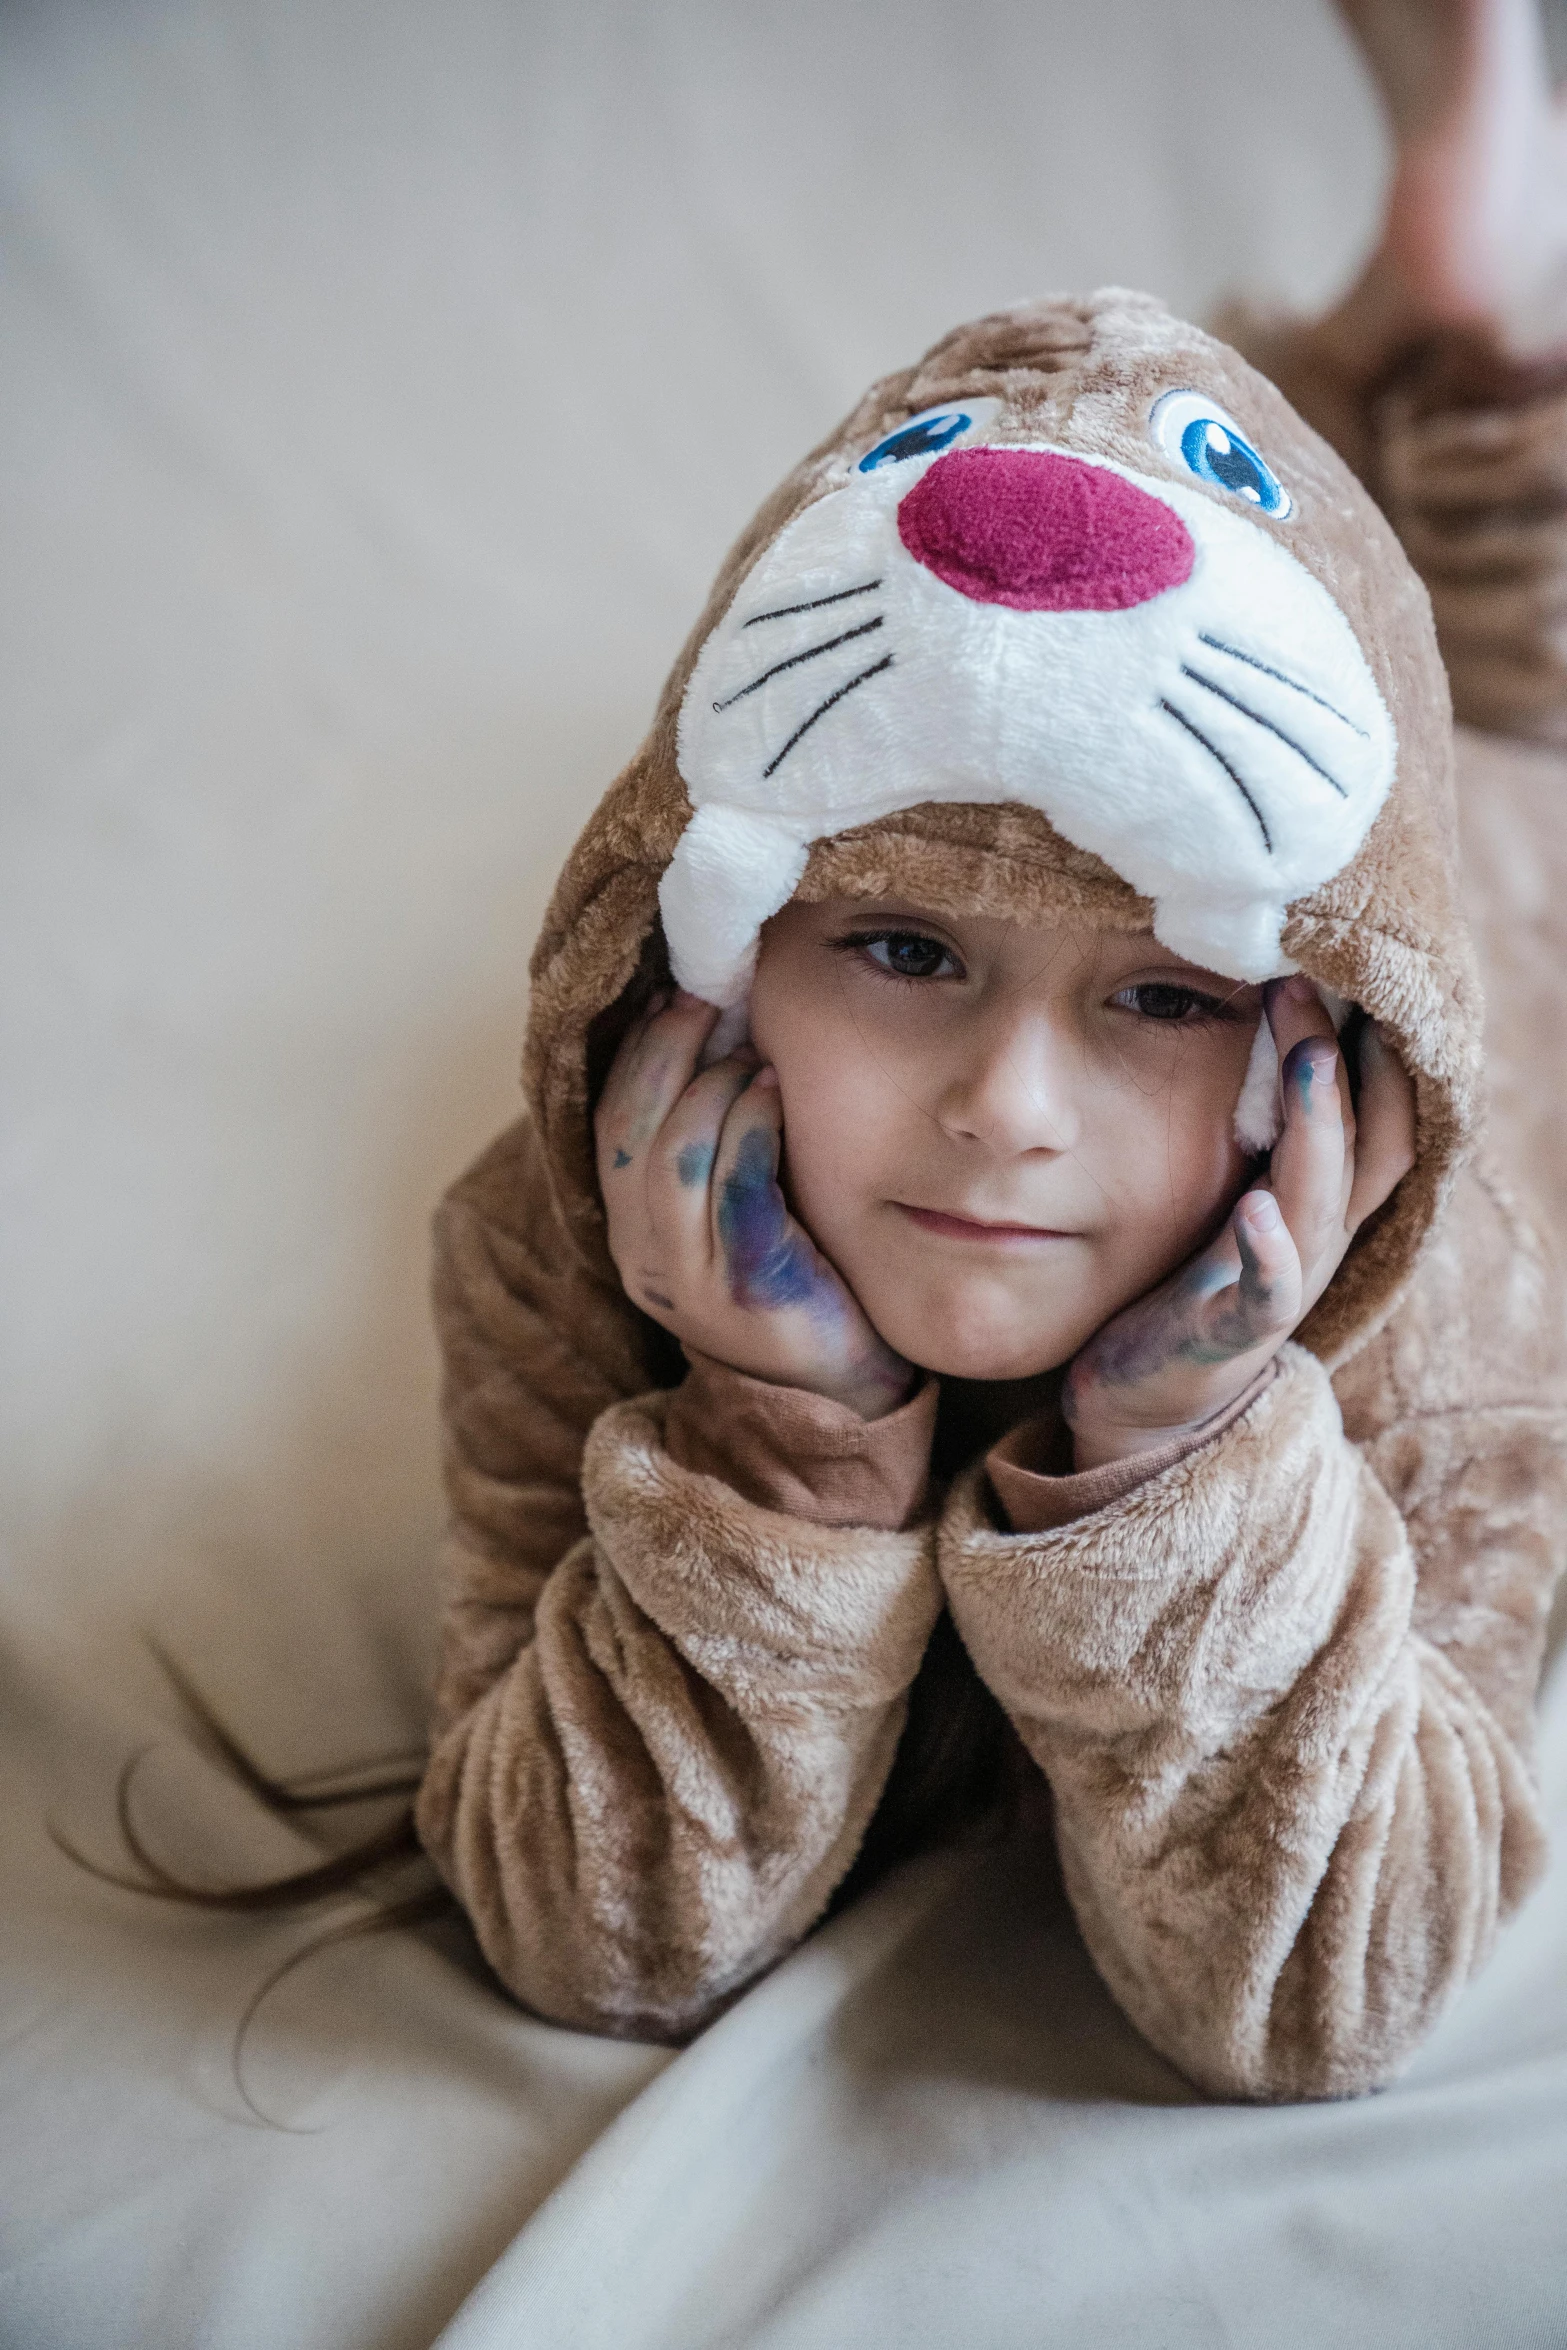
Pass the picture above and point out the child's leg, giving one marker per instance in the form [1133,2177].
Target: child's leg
[1442,375]
[1442,378]
[1474,240]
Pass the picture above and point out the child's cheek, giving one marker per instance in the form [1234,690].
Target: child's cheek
[1186,1169]
[829,1132]
[842,1122]
[1157,1142]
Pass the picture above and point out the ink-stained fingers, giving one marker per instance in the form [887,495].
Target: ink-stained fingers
[652,1069]
[1297,1014]
[670,1034]
[768,1263]
[745,1201]
[1188,1349]
[1295,1010]
[1312,1160]
[1265,1303]
[680,1160]
[1385,1142]
[1242,1293]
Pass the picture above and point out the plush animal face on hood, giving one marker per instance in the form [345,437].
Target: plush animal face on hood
[972,612]
[1075,620]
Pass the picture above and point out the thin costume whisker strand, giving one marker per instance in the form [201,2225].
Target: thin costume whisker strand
[822,709]
[1284,678]
[1258,719]
[866,628]
[1215,753]
[839,596]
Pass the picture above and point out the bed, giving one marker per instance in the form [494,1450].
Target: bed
[382,386]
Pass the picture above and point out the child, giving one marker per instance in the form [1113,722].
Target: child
[962,1344]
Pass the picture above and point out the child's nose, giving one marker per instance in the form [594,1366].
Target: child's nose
[1043,532]
[1013,1088]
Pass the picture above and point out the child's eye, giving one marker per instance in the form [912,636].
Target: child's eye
[907,954]
[1161,999]
[1189,427]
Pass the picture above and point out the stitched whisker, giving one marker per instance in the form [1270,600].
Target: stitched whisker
[1284,678]
[866,628]
[1214,752]
[840,596]
[1258,719]
[822,709]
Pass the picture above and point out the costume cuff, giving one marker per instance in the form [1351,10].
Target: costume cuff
[1036,1491]
[801,1454]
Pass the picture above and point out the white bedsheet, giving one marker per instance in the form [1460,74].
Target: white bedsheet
[932,2127]
[381,384]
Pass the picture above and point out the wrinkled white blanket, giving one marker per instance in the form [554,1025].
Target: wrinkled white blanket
[381,385]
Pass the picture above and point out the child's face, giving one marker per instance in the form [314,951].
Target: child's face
[1000,1135]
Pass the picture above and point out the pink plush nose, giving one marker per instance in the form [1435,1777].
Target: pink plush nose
[1042,532]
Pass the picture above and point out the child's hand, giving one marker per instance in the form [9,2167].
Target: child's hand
[1190,1347]
[700,1231]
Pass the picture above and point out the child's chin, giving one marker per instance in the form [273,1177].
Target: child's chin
[994,1369]
[989,1355]
[989,1326]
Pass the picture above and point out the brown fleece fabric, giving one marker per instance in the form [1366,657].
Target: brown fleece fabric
[1467,455]
[1036,1487]
[1278,1686]
[800,1453]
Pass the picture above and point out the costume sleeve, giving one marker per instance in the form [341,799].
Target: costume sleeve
[1282,1689]
[658,1748]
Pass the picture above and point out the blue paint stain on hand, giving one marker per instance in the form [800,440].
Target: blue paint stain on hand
[694,1164]
[1306,1063]
[770,1262]
[622,1158]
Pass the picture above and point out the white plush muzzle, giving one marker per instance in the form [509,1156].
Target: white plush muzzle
[1220,743]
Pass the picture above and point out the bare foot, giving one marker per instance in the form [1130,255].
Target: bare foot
[1474,243]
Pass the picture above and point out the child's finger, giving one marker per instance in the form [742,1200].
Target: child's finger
[1264,1303]
[651,1071]
[1311,1156]
[610,1106]
[681,1160]
[1176,1348]
[1385,1140]
[637,1027]
[766,1259]
[1295,1010]
[661,1027]
[1244,1291]
[1295,1013]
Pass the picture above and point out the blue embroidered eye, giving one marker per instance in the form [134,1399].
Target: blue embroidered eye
[1192,429]
[924,435]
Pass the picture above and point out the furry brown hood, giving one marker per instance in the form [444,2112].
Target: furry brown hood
[1081,379]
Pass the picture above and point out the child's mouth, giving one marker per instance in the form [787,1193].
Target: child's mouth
[937,1221]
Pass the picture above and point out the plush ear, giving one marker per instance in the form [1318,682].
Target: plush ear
[1259,1114]
[732,869]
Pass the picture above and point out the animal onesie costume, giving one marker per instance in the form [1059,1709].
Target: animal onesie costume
[1073,621]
